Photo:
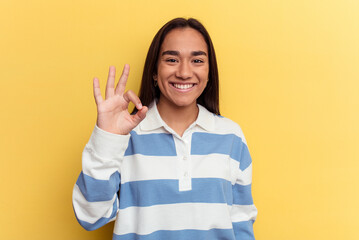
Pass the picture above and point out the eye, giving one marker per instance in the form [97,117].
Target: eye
[198,61]
[171,60]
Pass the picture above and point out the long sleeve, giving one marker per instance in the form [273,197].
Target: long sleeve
[243,212]
[95,199]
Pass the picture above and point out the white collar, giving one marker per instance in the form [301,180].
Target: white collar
[153,119]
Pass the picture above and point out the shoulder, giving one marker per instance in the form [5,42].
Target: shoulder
[224,125]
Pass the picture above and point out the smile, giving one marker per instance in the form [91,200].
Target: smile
[183,86]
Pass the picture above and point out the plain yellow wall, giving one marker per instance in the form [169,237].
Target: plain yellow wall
[289,73]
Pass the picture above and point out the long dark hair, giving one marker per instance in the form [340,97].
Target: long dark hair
[148,91]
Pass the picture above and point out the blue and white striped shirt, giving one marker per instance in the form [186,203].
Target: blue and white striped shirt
[158,185]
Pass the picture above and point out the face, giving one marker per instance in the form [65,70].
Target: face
[183,67]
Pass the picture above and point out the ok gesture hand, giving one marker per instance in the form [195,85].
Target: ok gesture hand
[112,113]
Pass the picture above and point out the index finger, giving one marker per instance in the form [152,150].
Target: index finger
[121,85]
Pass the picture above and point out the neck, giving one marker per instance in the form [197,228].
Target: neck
[176,117]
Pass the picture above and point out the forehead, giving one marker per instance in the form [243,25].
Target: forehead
[184,39]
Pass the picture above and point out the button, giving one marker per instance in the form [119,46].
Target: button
[185,174]
[184,158]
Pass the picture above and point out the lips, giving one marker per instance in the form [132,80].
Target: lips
[183,86]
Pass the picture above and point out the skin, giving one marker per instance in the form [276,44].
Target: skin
[112,112]
[183,62]
[182,76]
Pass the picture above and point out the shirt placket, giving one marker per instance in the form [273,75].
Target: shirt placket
[183,150]
[184,163]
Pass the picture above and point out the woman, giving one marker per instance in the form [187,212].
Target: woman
[174,169]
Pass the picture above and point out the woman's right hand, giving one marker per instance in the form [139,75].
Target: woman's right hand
[112,113]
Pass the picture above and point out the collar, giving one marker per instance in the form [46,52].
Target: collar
[205,119]
[154,121]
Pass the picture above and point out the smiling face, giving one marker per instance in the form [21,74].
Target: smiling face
[183,68]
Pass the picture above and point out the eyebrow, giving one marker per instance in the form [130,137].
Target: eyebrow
[176,53]
[199,53]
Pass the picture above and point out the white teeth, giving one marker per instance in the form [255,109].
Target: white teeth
[183,86]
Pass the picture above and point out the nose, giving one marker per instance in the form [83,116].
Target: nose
[184,70]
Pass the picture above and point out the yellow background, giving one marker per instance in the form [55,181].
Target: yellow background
[289,74]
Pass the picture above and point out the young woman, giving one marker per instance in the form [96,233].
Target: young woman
[174,168]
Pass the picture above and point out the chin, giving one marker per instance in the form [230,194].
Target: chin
[184,103]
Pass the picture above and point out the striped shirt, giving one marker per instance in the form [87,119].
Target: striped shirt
[158,185]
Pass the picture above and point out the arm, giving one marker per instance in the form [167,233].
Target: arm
[243,211]
[95,198]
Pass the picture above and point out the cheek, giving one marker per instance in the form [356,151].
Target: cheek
[205,71]
[163,73]
[204,74]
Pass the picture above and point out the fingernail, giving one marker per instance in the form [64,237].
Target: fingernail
[139,106]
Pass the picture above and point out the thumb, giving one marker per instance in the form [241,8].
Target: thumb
[140,115]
